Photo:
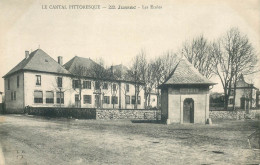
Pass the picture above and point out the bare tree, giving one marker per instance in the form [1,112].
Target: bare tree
[134,73]
[198,52]
[59,86]
[161,68]
[233,55]
[79,72]
[102,77]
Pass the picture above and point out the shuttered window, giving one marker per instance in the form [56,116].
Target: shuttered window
[59,82]
[8,84]
[114,100]
[127,99]
[18,82]
[49,97]
[86,84]
[75,83]
[14,95]
[114,87]
[133,100]
[38,80]
[37,96]
[106,100]
[105,86]
[127,87]
[87,99]
[60,97]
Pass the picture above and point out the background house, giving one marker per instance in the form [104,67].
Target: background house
[246,94]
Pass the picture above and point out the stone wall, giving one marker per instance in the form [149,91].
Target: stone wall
[233,114]
[138,114]
[92,113]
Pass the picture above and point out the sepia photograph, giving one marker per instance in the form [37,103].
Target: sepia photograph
[129,82]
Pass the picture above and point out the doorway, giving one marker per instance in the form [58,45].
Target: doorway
[97,101]
[188,111]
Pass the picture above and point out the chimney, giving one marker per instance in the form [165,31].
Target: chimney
[60,60]
[26,54]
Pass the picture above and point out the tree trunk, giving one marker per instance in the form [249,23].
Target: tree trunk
[119,95]
[149,100]
[146,96]
[225,99]
[135,106]
[234,101]
[80,97]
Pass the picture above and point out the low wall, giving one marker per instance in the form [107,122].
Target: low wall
[2,107]
[234,114]
[79,113]
[92,113]
[138,114]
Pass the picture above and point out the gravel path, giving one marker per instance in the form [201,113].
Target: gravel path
[35,140]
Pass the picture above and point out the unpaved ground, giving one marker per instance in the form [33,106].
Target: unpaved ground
[35,140]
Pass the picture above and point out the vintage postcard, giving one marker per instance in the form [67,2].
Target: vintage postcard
[129,82]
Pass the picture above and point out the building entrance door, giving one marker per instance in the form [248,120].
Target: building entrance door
[188,111]
[97,101]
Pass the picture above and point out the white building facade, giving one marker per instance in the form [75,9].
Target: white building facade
[40,81]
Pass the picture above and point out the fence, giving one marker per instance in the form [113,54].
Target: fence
[79,113]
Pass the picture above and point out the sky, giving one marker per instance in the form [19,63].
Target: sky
[119,35]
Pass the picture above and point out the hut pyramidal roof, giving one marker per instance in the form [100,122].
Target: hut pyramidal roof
[184,73]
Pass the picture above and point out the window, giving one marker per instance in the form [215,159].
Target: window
[37,96]
[127,87]
[8,84]
[87,99]
[97,85]
[86,84]
[231,101]
[75,84]
[105,86]
[76,97]
[114,87]
[133,100]
[60,97]
[139,100]
[17,81]
[59,82]
[14,95]
[106,100]
[38,80]
[232,92]
[127,99]
[114,100]
[49,97]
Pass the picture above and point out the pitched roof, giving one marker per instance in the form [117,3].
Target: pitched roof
[241,83]
[38,60]
[79,61]
[185,74]
[123,69]
[120,72]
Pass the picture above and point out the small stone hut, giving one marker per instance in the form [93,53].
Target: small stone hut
[185,95]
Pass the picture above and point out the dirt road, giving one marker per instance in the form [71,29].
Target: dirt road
[35,140]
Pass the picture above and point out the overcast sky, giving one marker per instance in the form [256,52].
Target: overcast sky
[118,35]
